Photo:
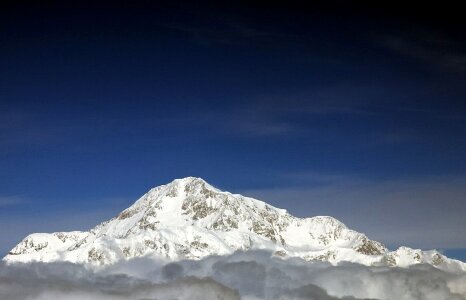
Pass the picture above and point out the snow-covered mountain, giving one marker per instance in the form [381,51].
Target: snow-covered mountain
[190,219]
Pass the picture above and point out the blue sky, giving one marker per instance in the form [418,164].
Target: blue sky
[316,111]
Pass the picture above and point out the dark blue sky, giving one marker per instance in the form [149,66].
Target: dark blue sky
[359,114]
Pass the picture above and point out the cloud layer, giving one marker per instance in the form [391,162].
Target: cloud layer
[249,275]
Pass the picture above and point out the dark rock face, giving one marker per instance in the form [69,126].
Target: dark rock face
[368,247]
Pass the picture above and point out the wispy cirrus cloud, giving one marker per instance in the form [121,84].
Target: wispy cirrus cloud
[431,48]
[289,113]
[11,200]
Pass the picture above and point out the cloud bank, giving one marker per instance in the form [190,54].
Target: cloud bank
[243,275]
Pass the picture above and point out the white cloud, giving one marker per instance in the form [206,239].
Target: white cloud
[245,275]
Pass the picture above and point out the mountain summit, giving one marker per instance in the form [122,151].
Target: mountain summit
[190,219]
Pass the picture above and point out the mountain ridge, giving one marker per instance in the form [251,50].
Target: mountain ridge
[190,219]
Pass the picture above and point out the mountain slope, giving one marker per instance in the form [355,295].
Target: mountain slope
[190,219]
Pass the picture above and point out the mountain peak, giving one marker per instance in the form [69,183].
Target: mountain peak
[188,180]
[187,185]
[190,219]
[192,184]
